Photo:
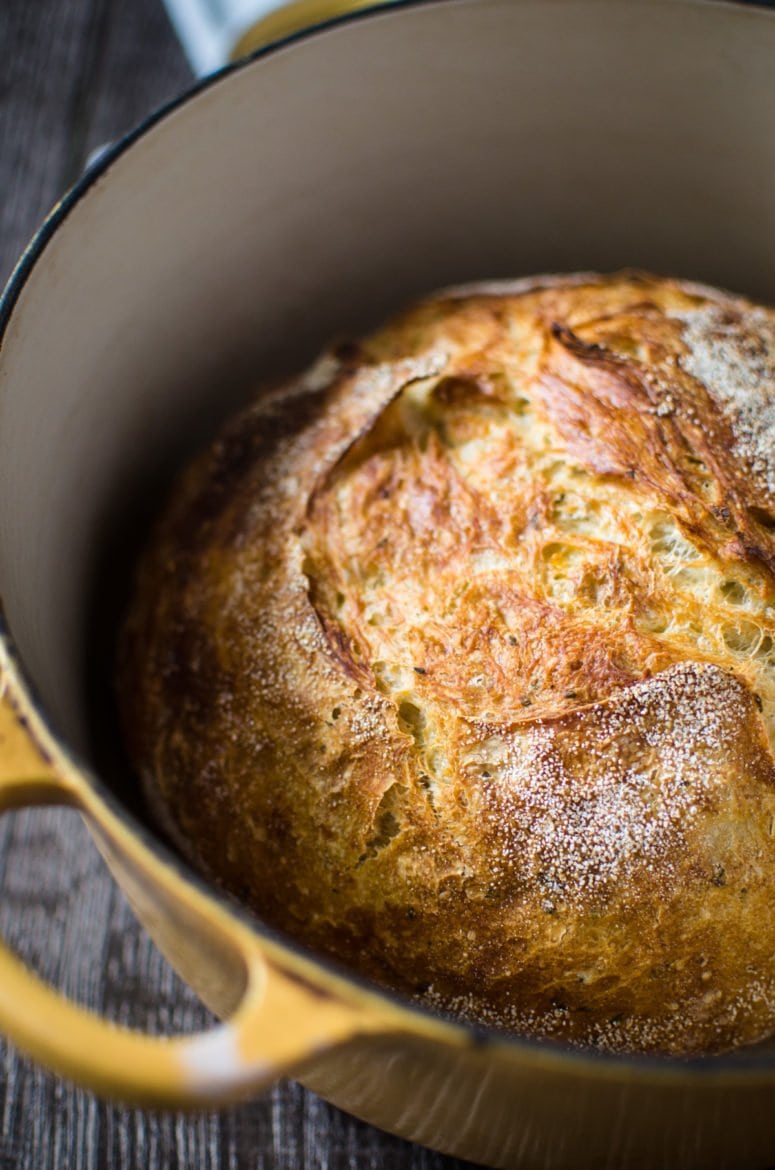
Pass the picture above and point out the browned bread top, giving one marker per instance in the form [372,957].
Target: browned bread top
[455,658]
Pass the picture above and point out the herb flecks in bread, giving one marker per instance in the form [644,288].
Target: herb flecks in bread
[455,658]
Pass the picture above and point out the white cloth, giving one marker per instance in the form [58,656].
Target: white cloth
[209,29]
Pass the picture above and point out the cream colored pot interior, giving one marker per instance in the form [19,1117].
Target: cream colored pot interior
[315,190]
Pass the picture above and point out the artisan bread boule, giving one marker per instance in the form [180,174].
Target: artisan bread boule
[455,659]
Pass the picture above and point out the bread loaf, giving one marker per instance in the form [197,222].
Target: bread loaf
[454,658]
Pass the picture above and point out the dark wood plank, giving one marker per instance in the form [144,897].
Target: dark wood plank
[77,74]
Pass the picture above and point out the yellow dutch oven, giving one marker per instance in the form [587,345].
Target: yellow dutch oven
[306,193]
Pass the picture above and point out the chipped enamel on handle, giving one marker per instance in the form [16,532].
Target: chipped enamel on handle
[281,1019]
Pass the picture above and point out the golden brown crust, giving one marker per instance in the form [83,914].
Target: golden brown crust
[456,659]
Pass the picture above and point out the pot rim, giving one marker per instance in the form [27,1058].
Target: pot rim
[735,1068]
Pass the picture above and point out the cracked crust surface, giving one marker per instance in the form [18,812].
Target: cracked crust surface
[455,659]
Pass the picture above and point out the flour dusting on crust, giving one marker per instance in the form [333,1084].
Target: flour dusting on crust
[733,354]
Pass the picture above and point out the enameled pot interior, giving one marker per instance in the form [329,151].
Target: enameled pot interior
[307,195]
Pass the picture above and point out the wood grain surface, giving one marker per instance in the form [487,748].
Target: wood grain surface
[76,74]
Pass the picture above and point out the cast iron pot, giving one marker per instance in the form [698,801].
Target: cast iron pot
[303,194]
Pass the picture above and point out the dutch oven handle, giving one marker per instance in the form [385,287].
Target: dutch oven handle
[212,35]
[281,1020]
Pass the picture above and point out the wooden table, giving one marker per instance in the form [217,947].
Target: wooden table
[76,74]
